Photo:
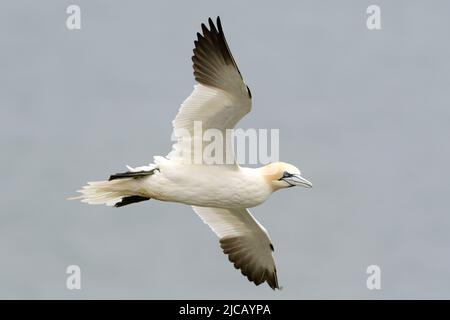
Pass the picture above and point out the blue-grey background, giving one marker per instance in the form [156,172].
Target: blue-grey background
[364,114]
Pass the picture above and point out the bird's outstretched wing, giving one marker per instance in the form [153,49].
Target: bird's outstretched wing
[219,100]
[245,241]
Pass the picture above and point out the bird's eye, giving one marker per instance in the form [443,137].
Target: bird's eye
[286,175]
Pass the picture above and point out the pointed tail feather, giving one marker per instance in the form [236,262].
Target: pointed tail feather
[117,193]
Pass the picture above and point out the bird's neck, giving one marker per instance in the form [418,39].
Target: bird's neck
[264,175]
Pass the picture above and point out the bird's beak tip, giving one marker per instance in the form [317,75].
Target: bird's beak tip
[300,181]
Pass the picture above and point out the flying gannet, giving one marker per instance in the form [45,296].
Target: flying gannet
[219,193]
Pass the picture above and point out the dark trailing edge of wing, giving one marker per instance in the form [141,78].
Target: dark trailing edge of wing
[211,54]
[129,200]
[130,174]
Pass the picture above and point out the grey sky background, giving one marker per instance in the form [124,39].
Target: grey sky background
[364,114]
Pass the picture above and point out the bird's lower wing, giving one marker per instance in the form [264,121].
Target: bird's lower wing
[245,241]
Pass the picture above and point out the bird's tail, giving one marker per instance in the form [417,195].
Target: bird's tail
[121,189]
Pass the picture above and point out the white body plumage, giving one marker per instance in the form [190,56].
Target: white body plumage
[217,186]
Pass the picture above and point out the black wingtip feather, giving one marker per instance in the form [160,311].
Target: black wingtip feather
[229,246]
[219,25]
[213,54]
[212,27]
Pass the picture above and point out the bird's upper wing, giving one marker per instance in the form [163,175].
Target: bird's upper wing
[245,241]
[219,100]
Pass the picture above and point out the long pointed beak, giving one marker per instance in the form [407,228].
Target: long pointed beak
[298,180]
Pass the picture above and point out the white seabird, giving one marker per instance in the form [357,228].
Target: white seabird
[219,193]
